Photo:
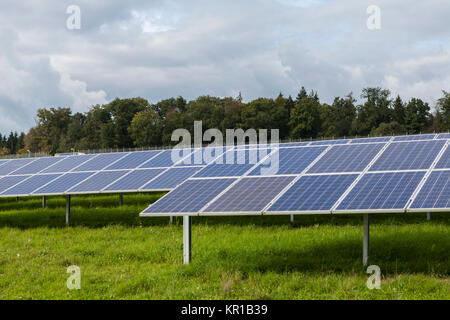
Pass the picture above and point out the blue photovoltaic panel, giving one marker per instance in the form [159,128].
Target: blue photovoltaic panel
[435,193]
[164,159]
[444,136]
[63,183]
[171,178]
[37,166]
[68,164]
[249,194]
[98,181]
[328,142]
[134,180]
[415,137]
[444,161]
[29,185]
[100,162]
[408,155]
[294,144]
[2,162]
[202,156]
[347,158]
[133,160]
[288,161]
[370,140]
[313,193]
[235,163]
[8,182]
[390,190]
[190,197]
[13,165]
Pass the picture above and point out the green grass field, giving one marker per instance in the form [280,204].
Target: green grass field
[122,256]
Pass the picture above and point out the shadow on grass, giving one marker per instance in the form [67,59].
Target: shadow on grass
[417,252]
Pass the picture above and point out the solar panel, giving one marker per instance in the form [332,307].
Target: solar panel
[2,162]
[9,181]
[235,163]
[294,144]
[133,160]
[444,136]
[29,185]
[134,180]
[13,165]
[347,158]
[171,178]
[435,193]
[63,183]
[444,161]
[100,162]
[288,161]
[37,166]
[167,158]
[382,191]
[370,140]
[249,195]
[313,194]
[97,182]
[328,142]
[408,155]
[189,197]
[68,164]
[415,137]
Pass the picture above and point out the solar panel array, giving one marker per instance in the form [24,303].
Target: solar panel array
[351,175]
[386,174]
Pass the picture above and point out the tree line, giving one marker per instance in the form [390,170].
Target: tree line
[134,122]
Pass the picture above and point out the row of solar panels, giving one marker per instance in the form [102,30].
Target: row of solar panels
[389,176]
[156,170]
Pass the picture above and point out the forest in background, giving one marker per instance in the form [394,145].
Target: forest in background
[134,122]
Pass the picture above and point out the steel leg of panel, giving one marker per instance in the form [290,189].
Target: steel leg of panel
[68,210]
[187,239]
[44,201]
[366,240]
[292,218]
[171,219]
[428,216]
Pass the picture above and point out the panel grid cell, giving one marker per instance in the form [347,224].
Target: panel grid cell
[408,155]
[171,178]
[98,181]
[167,158]
[63,183]
[313,193]
[235,163]
[347,158]
[370,140]
[37,166]
[329,142]
[249,194]
[100,162]
[68,164]
[29,185]
[444,161]
[202,156]
[135,180]
[378,191]
[444,136]
[133,160]
[415,137]
[190,197]
[435,193]
[10,181]
[13,165]
[288,161]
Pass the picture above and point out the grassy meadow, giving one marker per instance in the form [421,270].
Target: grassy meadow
[123,256]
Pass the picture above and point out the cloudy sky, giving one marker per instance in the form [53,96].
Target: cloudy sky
[159,49]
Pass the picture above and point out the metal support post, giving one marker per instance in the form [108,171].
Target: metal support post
[187,239]
[68,210]
[366,240]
